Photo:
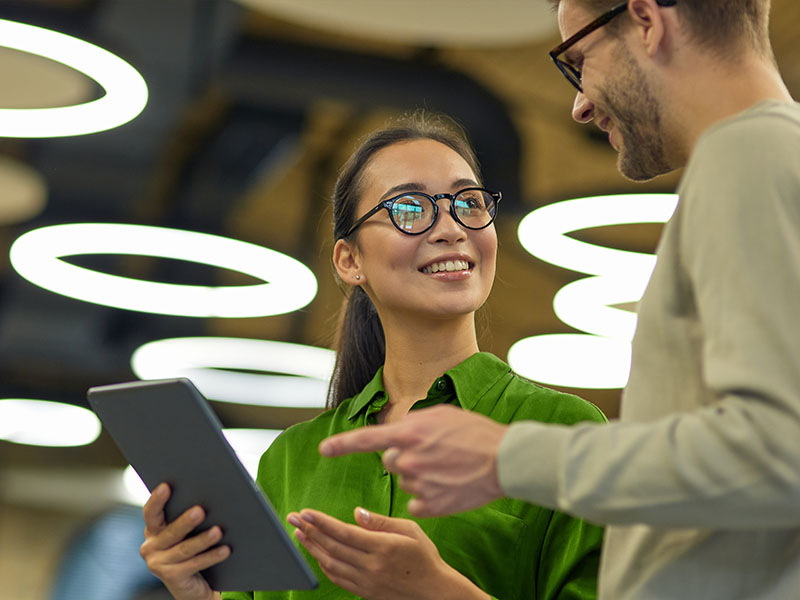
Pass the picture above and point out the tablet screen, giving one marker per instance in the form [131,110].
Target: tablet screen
[168,432]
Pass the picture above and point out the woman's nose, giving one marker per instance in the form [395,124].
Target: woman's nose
[446,227]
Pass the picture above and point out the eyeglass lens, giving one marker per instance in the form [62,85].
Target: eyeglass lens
[414,213]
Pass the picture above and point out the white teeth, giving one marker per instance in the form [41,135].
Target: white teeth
[450,265]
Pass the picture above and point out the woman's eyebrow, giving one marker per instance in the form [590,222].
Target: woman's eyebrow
[403,187]
[418,187]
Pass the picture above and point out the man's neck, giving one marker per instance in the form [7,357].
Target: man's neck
[712,90]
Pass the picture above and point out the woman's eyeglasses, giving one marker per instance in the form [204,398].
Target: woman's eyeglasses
[414,213]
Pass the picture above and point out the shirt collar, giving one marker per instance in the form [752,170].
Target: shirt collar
[465,384]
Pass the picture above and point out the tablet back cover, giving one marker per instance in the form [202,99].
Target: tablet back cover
[168,432]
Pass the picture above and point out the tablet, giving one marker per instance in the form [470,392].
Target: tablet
[168,432]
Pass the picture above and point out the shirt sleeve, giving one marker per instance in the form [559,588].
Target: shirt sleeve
[733,464]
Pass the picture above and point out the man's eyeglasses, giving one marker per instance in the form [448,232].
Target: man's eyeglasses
[572,73]
[414,213]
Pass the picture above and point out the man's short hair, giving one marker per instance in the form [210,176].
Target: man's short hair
[716,24]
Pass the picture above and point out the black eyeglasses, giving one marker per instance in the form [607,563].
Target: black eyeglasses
[573,74]
[414,213]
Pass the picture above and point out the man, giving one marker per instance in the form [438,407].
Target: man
[699,481]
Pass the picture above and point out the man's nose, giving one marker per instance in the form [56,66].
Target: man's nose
[582,109]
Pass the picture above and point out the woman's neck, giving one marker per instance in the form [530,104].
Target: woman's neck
[416,355]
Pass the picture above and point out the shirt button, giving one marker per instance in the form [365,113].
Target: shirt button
[441,385]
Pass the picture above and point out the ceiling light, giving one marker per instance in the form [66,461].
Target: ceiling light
[44,423]
[125,97]
[445,22]
[216,364]
[601,359]
[249,445]
[289,284]
[572,360]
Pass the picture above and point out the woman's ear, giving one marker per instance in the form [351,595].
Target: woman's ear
[347,263]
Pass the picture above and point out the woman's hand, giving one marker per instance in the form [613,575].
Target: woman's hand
[172,557]
[381,558]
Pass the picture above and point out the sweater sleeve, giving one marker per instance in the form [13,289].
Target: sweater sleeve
[733,463]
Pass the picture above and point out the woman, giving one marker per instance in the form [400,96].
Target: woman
[415,241]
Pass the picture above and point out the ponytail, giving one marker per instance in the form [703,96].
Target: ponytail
[360,347]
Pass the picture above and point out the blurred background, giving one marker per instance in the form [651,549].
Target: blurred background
[253,106]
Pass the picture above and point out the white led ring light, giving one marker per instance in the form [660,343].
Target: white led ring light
[289,284]
[125,97]
[45,423]
[208,363]
[602,359]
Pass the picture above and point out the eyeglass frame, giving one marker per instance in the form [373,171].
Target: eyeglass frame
[389,203]
[567,70]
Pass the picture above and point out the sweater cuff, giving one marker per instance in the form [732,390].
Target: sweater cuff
[528,462]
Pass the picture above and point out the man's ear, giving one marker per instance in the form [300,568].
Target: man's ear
[651,28]
[347,263]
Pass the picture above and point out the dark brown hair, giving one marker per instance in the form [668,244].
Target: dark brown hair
[716,24]
[360,343]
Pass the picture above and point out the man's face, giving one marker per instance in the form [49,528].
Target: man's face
[617,95]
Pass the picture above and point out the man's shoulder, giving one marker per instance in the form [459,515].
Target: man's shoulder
[765,123]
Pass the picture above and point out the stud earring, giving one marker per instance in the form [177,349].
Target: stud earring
[358,277]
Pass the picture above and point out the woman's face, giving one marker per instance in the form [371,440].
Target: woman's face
[395,268]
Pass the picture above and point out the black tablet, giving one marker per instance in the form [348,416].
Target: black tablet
[168,432]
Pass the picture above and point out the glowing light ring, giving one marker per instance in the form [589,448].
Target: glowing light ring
[203,360]
[45,423]
[542,232]
[35,256]
[126,90]
[601,359]
[585,304]
[572,360]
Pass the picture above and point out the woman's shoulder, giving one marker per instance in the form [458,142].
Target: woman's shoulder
[531,401]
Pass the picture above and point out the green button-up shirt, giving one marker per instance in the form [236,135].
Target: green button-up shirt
[510,549]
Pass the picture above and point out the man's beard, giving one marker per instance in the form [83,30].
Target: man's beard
[636,113]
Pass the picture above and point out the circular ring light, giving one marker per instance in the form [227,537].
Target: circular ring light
[208,361]
[289,284]
[543,231]
[601,360]
[45,423]
[573,360]
[249,445]
[125,97]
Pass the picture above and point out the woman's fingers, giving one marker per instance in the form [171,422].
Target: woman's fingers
[335,538]
[153,510]
[340,572]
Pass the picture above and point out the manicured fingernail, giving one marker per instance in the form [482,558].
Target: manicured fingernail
[325,449]
[307,517]
[298,533]
[364,513]
[293,520]
[196,514]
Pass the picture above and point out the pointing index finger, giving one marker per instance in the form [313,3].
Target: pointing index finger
[367,439]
